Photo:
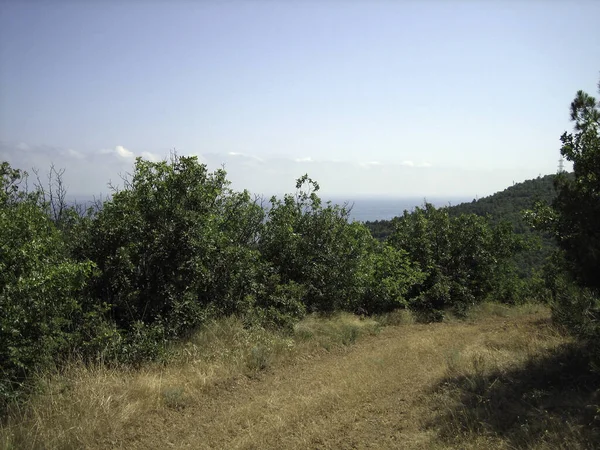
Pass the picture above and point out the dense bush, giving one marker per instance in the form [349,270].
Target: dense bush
[339,265]
[460,256]
[40,287]
[391,277]
[174,246]
[315,246]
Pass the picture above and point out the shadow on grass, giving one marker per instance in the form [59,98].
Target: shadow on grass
[552,402]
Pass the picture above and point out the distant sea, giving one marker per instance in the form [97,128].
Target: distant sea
[384,208]
[363,208]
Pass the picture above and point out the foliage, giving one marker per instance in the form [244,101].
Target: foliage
[460,256]
[174,246]
[578,203]
[279,305]
[315,246]
[40,287]
[574,220]
[505,206]
[391,277]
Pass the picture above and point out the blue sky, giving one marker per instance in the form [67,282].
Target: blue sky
[369,97]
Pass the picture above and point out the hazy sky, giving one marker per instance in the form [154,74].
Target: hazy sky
[369,97]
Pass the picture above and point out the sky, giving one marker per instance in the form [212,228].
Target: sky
[370,98]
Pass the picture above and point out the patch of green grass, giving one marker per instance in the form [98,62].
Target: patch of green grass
[339,329]
[397,317]
[174,397]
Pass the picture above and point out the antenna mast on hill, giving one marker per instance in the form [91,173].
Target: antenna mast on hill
[561,165]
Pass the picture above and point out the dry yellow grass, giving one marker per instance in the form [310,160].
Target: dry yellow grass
[405,386]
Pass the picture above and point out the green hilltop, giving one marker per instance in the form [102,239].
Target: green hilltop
[506,205]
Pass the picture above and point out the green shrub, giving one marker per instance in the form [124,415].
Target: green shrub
[315,246]
[279,305]
[174,246]
[391,277]
[41,289]
[573,219]
[460,256]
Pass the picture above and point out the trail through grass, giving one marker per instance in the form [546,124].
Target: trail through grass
[504,380]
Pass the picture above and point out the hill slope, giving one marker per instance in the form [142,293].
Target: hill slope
[504,205]
[507,206]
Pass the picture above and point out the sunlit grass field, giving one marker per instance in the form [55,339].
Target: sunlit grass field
[504,377]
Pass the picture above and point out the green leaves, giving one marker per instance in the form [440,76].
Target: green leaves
[315,246]
[576,210]
[176,238]
[391,278]
[573,218]
[41,289]
[460,256]
[176,246]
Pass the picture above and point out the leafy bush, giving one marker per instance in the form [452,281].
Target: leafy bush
[391,278]
[279,305]
[40,288]
[174,246]
[574,221]
[315,246]
[459,256]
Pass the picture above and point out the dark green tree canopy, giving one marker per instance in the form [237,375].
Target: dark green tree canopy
[575,215]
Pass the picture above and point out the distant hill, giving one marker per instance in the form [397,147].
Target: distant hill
[506,205]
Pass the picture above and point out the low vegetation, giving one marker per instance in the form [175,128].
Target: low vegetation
[83,405]
[502,377]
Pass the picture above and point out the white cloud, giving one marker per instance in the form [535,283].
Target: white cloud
[123,152]
[245,155]
[89,172]
[126,154]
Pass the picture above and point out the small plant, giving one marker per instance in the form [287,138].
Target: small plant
[259,358]
[173,397]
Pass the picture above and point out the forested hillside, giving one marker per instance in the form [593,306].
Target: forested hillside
[508,205]
[504,206]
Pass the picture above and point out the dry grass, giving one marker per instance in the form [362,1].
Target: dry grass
[101,407]
[406,386]
[520,384]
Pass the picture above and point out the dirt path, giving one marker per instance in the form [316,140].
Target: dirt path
[374,395]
